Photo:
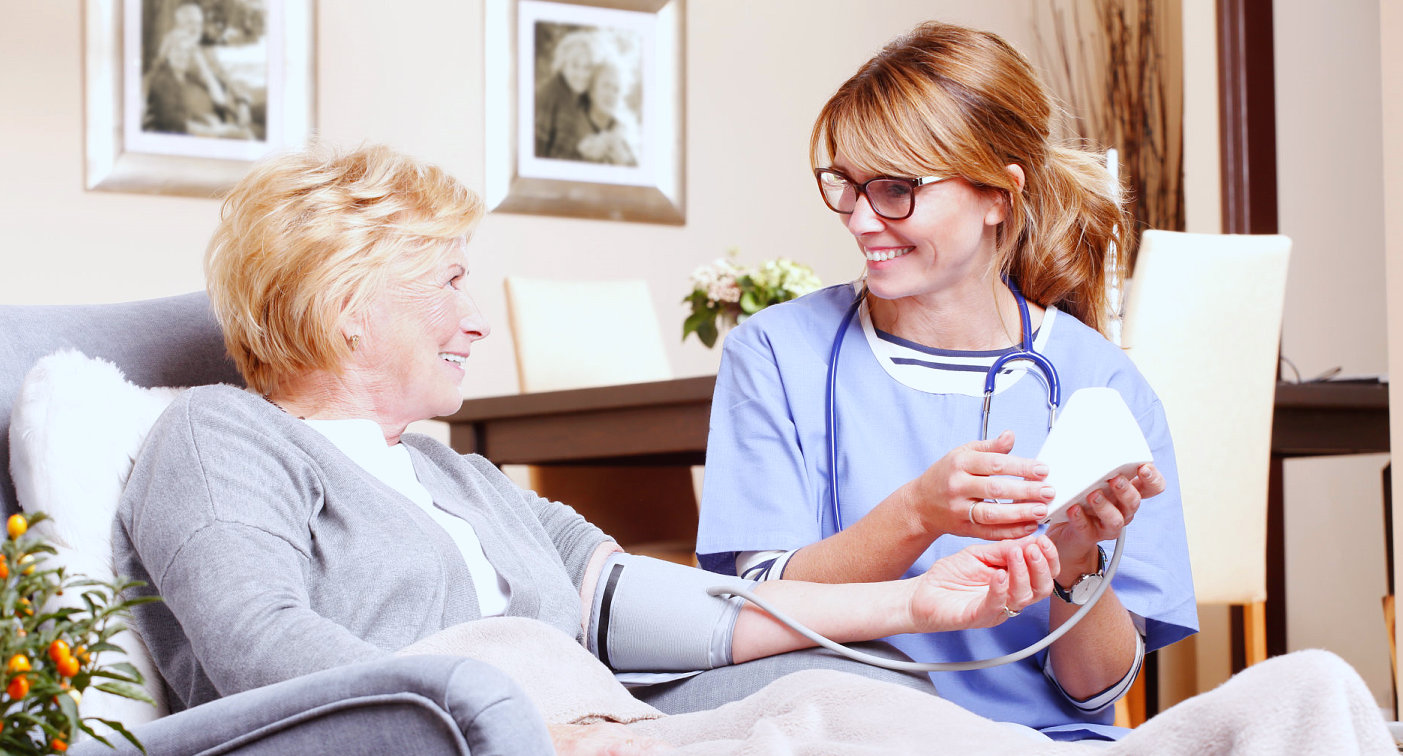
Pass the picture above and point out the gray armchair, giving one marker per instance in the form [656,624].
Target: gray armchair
[428,705]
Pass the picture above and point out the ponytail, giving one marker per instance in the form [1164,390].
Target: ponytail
[1061,231]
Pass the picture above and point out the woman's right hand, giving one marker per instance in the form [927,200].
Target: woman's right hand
[983,584]
[602,739]
[952,495]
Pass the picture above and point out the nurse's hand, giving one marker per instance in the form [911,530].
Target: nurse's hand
[951,495]
[972,587]
[1104,515]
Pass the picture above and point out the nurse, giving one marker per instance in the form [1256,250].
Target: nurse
[937,159]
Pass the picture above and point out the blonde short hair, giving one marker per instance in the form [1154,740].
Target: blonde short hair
[307,240]
[948,100]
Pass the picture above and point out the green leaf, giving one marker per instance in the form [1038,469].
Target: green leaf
[123,731]
[707,333]
[750,304]
[126,690]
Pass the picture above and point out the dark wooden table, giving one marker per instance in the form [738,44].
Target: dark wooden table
[659,423]
[665,423]
[1313,420]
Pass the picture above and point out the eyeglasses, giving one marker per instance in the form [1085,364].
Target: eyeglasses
[892,198]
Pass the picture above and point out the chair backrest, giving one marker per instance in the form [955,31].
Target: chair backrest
[574,334]
[1203,324]
[174,341]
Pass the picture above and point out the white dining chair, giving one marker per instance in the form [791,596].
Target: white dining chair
[578,334]
[1203,324]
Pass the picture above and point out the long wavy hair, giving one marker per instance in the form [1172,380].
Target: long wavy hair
[948,100]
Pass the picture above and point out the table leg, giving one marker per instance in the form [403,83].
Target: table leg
[1276,559]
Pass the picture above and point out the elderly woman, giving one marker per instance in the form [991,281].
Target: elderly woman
[613,136]
[295,526]
[562,100]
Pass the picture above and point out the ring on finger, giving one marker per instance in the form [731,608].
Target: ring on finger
[1011,613]
[971,513]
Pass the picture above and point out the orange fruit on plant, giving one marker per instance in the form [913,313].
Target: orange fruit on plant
[16,525]
[67,666]
[4,568]
[59,649]
[18,663]
[58,745]
[18,688]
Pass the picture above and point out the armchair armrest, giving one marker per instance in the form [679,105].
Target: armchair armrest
[418,704]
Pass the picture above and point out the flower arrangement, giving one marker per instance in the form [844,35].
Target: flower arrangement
[50,648]
[725,293]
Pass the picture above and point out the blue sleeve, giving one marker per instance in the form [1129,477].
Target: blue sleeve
[763,499]
[1154,579]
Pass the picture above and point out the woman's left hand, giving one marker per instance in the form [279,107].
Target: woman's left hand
[1104,515]
[984,584]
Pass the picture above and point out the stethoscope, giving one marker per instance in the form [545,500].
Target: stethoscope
[1024,353]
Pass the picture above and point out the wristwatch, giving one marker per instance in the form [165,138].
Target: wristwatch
[1086,585]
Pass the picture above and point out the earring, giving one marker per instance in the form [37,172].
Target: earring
[355,342]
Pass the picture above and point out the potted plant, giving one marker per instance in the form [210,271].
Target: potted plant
[724,293]
[55,628]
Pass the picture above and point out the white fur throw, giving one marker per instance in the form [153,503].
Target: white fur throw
[75,431]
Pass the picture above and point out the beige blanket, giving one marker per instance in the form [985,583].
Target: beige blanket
[1306,702]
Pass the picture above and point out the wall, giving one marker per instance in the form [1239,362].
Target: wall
[411,74]
[1331,182]
[1391,88]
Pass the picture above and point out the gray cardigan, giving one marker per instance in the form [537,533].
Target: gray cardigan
[276,555]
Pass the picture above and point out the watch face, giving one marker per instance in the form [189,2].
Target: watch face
[1081,592]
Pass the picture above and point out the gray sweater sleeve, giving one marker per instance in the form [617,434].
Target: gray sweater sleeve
[220,519]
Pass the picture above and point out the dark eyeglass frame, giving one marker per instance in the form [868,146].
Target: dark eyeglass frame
[914,183]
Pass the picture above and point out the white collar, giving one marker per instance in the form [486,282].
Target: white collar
[946,371]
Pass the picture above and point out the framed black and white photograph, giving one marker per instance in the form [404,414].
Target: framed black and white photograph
[585,108]
[183,95]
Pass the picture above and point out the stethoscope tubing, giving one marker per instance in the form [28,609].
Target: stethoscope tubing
[1026,353]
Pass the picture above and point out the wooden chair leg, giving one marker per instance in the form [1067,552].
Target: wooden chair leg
[1388,625]
[1254,631]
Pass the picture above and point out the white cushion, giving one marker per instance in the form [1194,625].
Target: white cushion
[75,431]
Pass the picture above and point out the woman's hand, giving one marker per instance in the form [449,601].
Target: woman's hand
[1104,515]
[972,587]
[952,495]
[602,739]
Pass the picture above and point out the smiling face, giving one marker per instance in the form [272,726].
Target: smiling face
[946,247]
[577,64]
[416,341]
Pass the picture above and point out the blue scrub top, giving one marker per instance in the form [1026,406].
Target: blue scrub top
[767,482]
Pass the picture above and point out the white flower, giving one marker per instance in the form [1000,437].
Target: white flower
[718,280]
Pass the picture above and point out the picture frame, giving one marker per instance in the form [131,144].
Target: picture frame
[182,96]
[585,108]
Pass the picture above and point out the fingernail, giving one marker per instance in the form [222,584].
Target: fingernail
[1119,482]
[1048,492]
[1039,510]
[1040,470]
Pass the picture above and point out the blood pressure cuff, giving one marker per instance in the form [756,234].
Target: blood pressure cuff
[655,616]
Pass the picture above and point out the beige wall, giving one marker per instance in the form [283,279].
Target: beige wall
[1329,137]
[1391,87]
[411,74]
